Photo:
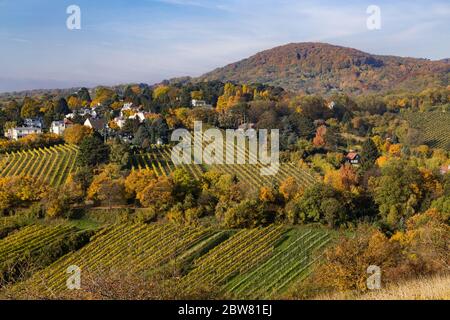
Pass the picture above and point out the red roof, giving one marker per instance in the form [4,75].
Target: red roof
[352,155]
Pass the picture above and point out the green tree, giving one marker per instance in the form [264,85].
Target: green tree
[369,154]
[61,107]
[93,151]
[398,192]
[120,153]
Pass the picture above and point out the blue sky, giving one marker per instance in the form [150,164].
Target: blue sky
[124,41]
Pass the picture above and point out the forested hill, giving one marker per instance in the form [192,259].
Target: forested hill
[320,67]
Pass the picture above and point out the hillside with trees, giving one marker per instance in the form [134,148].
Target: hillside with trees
[363,180]
[321,67]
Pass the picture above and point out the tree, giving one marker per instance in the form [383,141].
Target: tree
[137,181]
[108,186]
[246,214]
[92,151]
[398,192]
[61,107]
[30,108]
[120,153]
[372,104]
[74,102]
[326,137]
[289,188]
[157,194]
[349,177]
[369,154]
[320,203]
[76,133]
[84,95]
[319,139]
[314,107]
[12,111]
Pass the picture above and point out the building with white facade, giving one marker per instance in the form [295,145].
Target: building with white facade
[20,132]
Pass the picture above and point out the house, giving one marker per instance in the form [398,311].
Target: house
[353,158]
[141,116]
[120,121]
[96,124]
[331,105]
[127,109]
[83,112]
[58,127]
[127,106]
[445,169]
[200,103]
[20,132]
[33,122]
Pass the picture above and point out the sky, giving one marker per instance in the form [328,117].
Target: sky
[123,41]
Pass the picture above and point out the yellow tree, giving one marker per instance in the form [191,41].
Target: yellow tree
[289,188]
[76,133]
[74,103]
[137,181]
[108,186]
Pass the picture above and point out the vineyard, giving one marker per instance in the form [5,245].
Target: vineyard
[252,263]
[52,164]
[136,248]
[159,160]
[289,263]
[37,244]
[433,126]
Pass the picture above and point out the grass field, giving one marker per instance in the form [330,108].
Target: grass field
[430,288]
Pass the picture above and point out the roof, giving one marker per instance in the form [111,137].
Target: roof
[352,155]
[97,124]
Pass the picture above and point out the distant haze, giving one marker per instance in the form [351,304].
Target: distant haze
[148,41]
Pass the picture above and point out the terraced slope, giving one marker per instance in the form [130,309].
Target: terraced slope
[159,160]
[136,248]
[288,264]
[255,263]
[434,127]
[259,263]
[36,245]
[52,164]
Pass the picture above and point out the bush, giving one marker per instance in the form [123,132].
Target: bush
[31,141]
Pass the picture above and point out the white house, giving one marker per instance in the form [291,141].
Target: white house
[141,116]
[83,112]
[200,103]
[33,122]
[120,121]
[20,132]
[127,108]
[58,127]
